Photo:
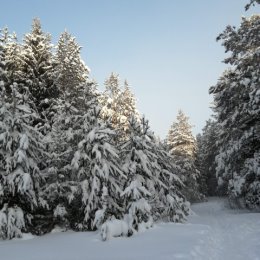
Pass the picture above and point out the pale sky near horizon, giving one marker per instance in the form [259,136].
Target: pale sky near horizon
[166,49]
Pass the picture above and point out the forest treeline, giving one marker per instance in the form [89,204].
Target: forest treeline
[76,158]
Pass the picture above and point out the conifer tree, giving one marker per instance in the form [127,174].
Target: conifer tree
[21,153]
[9,49]
[111,101]
[75,88]
[128,106]
[170,204]
[36,71]
[118,105]
[71,73]
[87,185]
[137,165]
[96,163]
[182,146]
[237,107]
[207,151]
[152,188]
[3,68]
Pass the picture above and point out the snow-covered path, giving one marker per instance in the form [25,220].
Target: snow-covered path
[212,232]
[229,234]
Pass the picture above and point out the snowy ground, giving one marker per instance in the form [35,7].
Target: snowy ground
[213,232]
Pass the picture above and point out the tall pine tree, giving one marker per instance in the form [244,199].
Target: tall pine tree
[71,76]
[96,162]
[237,107]
[21,156]
[207,151]
[36,71]
[182,146]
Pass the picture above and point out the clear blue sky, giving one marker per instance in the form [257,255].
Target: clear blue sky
[166,49]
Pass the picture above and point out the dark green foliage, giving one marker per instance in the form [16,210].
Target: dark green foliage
[237,108]
[207,151]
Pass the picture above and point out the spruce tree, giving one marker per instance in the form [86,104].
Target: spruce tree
[75,90]
[111,101]
[128,107]
[21,154]
[169,202]
[118,105]
[3,68]
[237,107]
[138,165]
[152,190]
[96,164]
[36,72]
[182,146]
[87,174]
[207,151]
[9,66]
[71,73]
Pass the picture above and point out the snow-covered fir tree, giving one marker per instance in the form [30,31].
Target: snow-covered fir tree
[168,203]
[21,153]
[237,107]
[182,146]
[207,151]
[36,71]
[109,99]
[151,191]
[71,73]
[180,139]
[118,104]
[129,108]
[138,166]
[85,187]
[3,60]
[86,191]
[75,89]
[97,167]
[9,58]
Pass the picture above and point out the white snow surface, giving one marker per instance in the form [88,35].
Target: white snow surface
[212,232]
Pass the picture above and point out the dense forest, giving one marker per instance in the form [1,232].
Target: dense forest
[75,157]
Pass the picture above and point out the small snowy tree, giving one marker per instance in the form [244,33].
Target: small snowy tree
[180,139]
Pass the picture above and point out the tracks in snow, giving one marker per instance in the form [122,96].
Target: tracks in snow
[229,234]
